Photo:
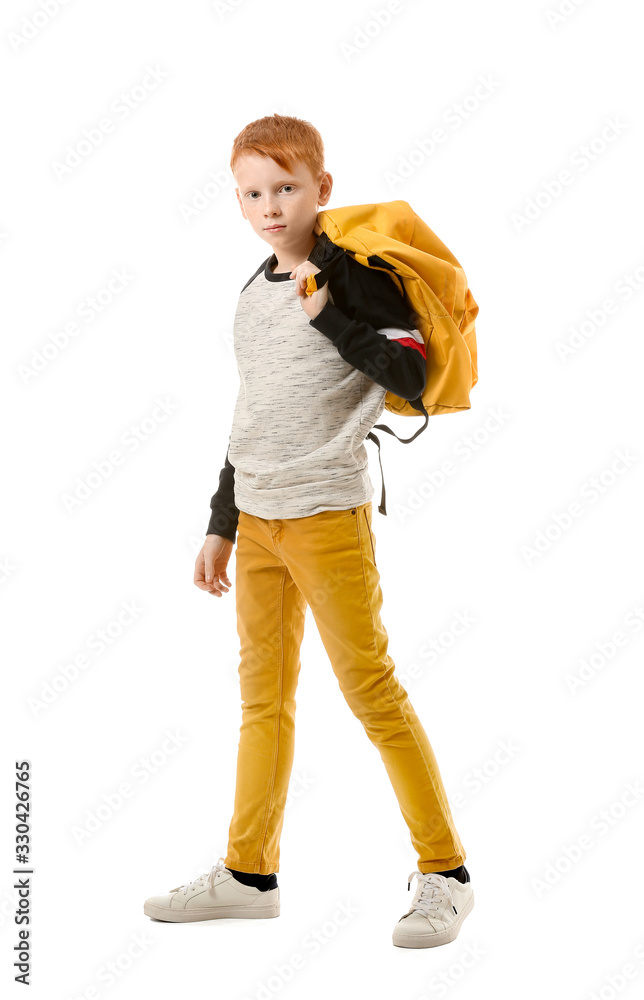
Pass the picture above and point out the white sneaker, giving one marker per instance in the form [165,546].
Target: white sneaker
[438,909]
[211,896]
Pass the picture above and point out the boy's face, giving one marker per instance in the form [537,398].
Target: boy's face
[269,196]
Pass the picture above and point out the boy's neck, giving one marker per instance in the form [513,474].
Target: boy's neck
[294,255]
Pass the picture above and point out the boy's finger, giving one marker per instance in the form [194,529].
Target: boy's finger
[219,587]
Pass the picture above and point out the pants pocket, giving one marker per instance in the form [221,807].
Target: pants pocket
[366,510]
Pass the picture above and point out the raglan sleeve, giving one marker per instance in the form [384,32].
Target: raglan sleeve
[372,326]
[224,514]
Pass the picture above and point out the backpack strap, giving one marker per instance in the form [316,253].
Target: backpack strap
[325,272]
[382,507]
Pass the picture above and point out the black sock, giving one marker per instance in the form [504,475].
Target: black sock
[461,873]
[262,882]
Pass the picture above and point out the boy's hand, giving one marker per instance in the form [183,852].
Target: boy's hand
[210,568]
[311,304]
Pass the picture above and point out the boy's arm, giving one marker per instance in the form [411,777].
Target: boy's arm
[224,514]
[371,325]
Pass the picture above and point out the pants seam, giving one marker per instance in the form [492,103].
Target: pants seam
[403,715]
[278,718]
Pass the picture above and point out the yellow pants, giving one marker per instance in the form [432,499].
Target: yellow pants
[327,561]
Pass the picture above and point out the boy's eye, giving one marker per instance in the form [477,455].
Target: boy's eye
[251,193]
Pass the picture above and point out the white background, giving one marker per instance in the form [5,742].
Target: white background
[550,918]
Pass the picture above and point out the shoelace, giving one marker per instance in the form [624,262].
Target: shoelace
[431,891]
[209,877]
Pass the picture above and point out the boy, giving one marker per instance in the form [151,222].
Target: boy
[295,486]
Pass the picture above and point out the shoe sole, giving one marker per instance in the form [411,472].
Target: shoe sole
[430,939]
[211,912]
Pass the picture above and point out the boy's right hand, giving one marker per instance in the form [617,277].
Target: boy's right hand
[210,567]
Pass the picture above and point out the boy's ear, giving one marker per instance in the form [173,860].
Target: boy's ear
[325,193]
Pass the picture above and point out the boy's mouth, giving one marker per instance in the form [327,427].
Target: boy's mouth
[273,229]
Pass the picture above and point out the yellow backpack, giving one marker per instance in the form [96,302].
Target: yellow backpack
[390,236]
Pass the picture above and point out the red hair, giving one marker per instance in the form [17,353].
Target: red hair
[284,139]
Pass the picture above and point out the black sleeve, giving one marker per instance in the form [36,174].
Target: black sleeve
[372,326]
[224,514]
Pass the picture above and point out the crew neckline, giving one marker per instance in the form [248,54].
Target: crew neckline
[275,275]
[317,256]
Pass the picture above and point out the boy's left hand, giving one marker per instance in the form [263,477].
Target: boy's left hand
[311,304]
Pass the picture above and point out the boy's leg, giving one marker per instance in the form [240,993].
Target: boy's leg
[270,624]
[331,558]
